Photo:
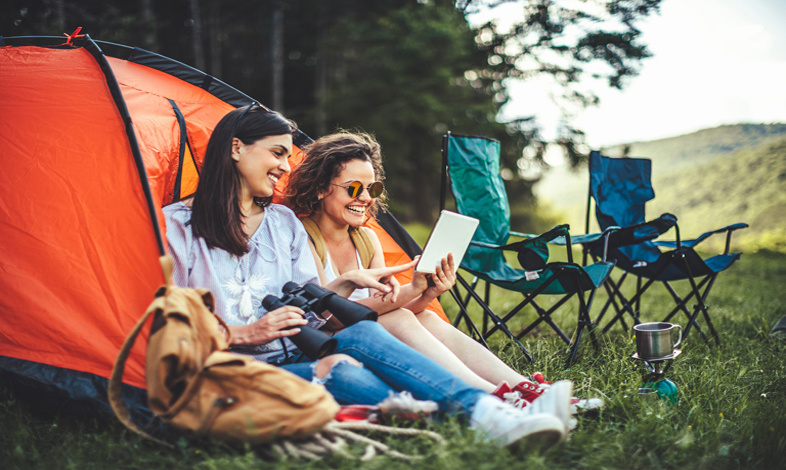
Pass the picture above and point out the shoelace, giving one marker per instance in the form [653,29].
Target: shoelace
[515,399]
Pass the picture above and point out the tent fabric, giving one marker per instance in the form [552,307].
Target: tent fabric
[79,260]
[93,145]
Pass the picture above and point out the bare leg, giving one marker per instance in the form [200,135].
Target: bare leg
[477,358]
[403,324]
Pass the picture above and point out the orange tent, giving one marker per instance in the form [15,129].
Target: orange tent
[95,138]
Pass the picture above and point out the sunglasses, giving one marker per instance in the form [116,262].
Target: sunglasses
[355,188]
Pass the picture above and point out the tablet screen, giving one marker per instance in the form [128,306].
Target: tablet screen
[451,234]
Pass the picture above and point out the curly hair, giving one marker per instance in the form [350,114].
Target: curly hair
[325,159]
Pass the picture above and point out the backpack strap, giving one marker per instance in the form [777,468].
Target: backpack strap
[312,229]
[364,246]
[359,237]
[115,391]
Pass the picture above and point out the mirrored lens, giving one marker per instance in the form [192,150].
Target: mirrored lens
[355,188]
[376,189]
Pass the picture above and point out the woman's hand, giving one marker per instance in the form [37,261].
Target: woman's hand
[273,325]
[443,279]
[381,279]
[420,280]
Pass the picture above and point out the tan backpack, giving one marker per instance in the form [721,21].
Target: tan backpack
[198,387]
[359,237]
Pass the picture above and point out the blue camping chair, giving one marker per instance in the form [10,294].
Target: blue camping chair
[620,189]
[472,163]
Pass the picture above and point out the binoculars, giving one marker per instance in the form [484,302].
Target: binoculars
[312,298]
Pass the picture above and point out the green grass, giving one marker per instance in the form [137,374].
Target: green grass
[730,413]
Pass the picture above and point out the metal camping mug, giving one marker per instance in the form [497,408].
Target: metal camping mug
[654,340]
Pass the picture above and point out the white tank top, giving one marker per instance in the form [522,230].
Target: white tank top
[330,274]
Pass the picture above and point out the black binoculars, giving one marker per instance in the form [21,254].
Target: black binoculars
[312,298]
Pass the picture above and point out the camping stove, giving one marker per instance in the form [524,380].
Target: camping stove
[655,382]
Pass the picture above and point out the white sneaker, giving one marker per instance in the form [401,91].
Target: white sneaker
[577,405]
[556,400]
[582,405]
[503,424]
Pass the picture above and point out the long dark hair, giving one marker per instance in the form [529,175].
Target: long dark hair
[216,214]
[325,159]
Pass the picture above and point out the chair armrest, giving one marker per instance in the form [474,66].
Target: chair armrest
[693,242]
[523,235]
[645,231]
[487,245]
[533,252]
[586,238]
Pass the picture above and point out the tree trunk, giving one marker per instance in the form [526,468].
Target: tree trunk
[216,65]
[321,71]
[149,27]
[60,16]
[196,36]
[277,53]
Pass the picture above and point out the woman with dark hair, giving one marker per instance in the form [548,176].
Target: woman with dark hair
[230,239]
[338,187]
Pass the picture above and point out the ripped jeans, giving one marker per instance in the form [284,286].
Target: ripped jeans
[388,366]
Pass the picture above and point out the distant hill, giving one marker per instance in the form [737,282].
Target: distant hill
[702,146]
[748,186]
[709,178]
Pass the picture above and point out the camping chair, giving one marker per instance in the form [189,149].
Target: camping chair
[620,188]
[473,166]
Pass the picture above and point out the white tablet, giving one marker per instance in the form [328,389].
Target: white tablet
[451,234]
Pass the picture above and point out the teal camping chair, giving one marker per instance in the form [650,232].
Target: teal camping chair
[472,164]
[620,188]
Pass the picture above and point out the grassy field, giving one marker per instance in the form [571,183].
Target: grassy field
[731,410]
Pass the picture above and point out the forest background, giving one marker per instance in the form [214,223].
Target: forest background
[404,70]
[410,70]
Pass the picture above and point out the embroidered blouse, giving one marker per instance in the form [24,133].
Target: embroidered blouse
[278,253]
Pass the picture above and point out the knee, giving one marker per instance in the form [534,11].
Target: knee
[398,316]
[428,316]
[402,322]
[325,365]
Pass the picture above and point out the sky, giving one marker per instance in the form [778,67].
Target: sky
[714,62]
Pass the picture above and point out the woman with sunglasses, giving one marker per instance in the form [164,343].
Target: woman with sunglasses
[230,239]
[338,187]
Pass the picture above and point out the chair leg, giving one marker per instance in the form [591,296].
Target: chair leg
[545,316]
[463,314]
[587,321]
[628,304]
[700,298]
[610,286]
[487,299]
[684,309]
[497,321]
[584,321]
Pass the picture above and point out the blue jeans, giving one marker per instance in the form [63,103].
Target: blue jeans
[389,366]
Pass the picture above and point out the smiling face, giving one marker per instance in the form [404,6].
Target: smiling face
[338,205]
[262,163]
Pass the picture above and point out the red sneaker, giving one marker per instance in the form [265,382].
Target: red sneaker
[529,390]
[501,390]
[358,413]
[519,396]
